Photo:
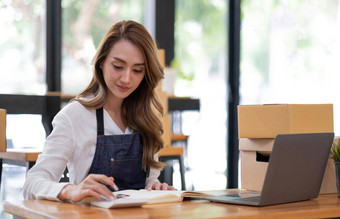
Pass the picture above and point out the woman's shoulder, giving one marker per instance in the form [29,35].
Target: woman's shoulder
[76,109]
[74,117]
[74,105]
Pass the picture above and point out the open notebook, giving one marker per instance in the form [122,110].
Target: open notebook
[133,198]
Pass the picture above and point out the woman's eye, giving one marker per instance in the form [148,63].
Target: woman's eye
[118,67]
[138,70]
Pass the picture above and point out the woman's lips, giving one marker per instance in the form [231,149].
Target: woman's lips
[123,88]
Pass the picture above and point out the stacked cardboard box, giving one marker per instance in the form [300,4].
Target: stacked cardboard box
[2,130]
[258,127]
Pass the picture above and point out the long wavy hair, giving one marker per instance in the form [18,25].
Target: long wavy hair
[141,110]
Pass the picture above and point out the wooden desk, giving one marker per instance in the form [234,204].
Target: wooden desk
[325,206]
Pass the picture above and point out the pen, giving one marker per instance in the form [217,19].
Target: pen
[122,196]
[115,188]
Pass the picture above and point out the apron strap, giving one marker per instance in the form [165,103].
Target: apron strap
[100,121]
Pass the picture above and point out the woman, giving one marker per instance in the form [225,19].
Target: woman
[109,135]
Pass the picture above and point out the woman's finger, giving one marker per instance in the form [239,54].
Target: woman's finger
[108,181]
[159,186]
[94,183]
[149,186]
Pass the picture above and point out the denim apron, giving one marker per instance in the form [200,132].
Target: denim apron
[119,156]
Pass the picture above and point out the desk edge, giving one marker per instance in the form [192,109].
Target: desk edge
[23,212]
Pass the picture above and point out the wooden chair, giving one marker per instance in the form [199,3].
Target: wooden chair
[168,155]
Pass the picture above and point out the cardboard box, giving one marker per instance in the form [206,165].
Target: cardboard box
[254,162]
[266,121]
[252,171]
[3,130]
[256,144]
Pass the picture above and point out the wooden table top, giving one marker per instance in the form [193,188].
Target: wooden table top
[21,154]
[325,206]
[31,155]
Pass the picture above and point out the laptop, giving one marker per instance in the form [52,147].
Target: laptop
[295,171]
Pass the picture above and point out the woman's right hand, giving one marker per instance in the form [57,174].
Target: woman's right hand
[93,185]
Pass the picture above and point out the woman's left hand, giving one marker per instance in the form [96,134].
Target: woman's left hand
[159,186]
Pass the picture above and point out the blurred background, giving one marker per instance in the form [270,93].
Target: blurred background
[289,53]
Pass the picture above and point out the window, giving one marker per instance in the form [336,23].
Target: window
[290,52]
[22,47]
[200,54]
[83,26]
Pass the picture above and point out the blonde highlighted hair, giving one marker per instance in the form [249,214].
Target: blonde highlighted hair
[141,107]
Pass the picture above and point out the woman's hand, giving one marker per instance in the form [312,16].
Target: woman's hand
[93,185]
[159,186]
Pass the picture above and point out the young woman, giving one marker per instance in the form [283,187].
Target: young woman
[109,135]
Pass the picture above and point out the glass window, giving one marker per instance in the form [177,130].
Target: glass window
[84,23]
[200,57]
[22,47]
[290,52]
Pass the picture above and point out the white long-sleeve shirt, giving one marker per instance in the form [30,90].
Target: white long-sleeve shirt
[72,143]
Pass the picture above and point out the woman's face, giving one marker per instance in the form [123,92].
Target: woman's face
[123,69]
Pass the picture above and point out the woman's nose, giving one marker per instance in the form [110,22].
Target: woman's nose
[126,76]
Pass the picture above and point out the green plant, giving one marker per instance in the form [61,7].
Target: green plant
[335,151]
